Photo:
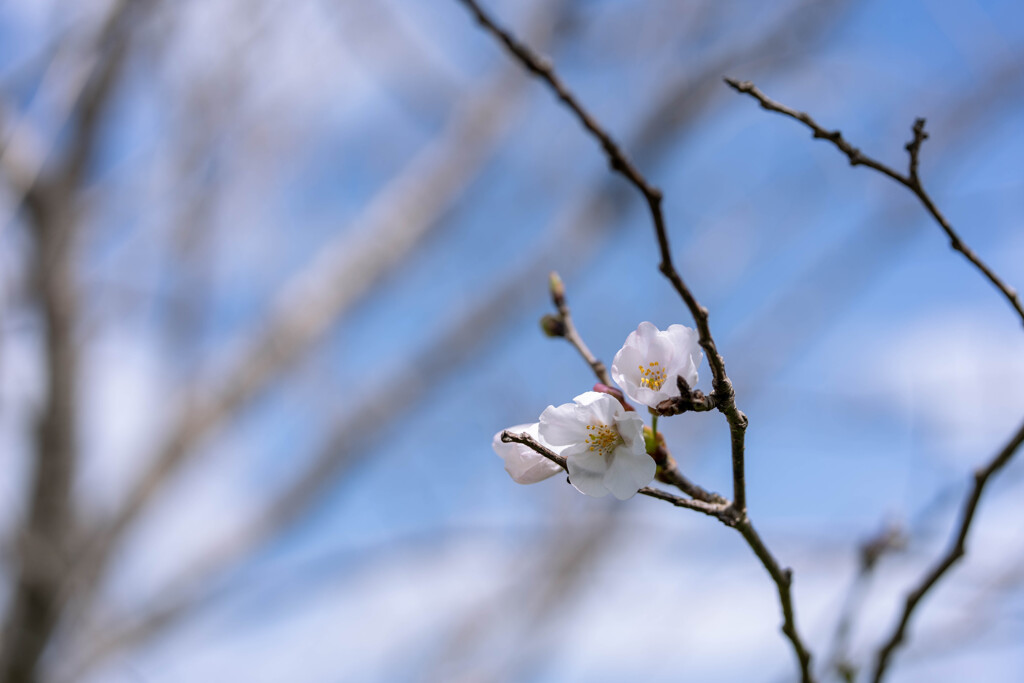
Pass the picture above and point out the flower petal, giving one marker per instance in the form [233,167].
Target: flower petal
[598,408]
[561,426]
[631,429]
[628,472]
[524,465]
[676,350]
[646,333]
[626,365]
[687,353]
[587,472]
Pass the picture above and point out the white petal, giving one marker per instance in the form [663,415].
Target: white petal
[629,471]
[687,354]
[524,465]
[626,373]
[599,408]
[660,350]
[631,429]
[651,398]
[645,334]
[589,398]
[587,472]
[561,426]
[626,368]
[689,373]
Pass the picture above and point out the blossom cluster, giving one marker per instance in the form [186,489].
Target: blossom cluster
[600,436]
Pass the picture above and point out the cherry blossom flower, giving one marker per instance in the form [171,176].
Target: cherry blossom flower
[525,465]
[603,445]
[648,363]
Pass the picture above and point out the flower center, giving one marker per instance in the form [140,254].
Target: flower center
[603,439]
[653,376]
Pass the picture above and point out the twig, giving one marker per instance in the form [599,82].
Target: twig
[668,472]
[564,327]
[783,578]
[911,180]
[721,384]
[722,511]
[727,514]
[621,163]
[952,555]
[561,325]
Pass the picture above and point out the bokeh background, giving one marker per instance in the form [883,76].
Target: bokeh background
[270,275]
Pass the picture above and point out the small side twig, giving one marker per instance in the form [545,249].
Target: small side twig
[956,551]
[910,180]
[561,325]
[721,511]
[688,400]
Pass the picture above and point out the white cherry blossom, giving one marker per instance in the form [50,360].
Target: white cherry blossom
[525,465]
[648,363]
[603,444]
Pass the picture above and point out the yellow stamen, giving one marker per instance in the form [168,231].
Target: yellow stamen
[603,439]
[653,376]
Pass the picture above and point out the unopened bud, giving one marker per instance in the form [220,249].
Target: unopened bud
[557,288]
[552,325]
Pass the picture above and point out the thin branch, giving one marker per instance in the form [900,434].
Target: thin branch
[621,163]
[722,386]
[669,473]
[721,511]
[952,556]
[562,326]
[783,578]
[725,513]
[910,180]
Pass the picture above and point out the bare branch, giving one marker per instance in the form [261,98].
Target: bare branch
[564,327]
[619,162]
[721,511]
[727,514]
[911,180]
[35,605]
[669,473]
[41,586]
[783,578]
[722,386]
[952,555]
